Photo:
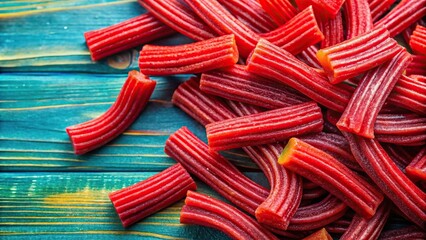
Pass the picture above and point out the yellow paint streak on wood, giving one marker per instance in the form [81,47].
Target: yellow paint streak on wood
[103,232]
[36,150]
[34,140]
[136,145]
[41,159]
[29,165]
[54,212]
[87,223]
[146,133]
[62,52]
[53,106]
[41,63]
[130,155]
[85,217]
[59,207]
[86,195]
[56,9]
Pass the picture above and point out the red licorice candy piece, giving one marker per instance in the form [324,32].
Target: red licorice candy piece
[409,94]
[410,232]
[280,10]
[332,30]
[339,226]
[179,17]
[357,55]
[297,34]
[366,229]
[399,155]
[204,108]
[416,170]
[379,7]
[358,17]
[236,83]
[125,35]
[133,97]
[265,127]
[370,95]
[419,78]
[315,193]
[321,234]
[309,56]
[189,58]
[270,61]
[324,170]
[214,170]
[418,40]
[325,8]
[403,15]
[144,198]
[392,181]
[250,13]
[204,210]
[417,66]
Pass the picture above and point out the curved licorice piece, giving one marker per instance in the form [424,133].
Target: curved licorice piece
[358,17]
[417,66]
[250,13]
[286,187]
[204,108]
[309,56]
[324,8]
[403,15]
[357,55]
[410,94]
[237,84]
[410,232]
[144,198]
[335,145]
[179,17]
[365,229]
[204,210]
[125,35]
[416,170]
[324,170]
[402,129]
[265,127]
[418,40]
[379,7]
[297,34]
[370,96]
[332,30]
[133,97]
[189,58]
[315,193]
[270,61]
[399,154]
[281,11]
[214,170]
[392,181]
[340,226]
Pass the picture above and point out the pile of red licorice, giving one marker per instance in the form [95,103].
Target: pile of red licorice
[318,93]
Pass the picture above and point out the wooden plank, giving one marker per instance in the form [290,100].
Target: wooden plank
[75,205]
[36,108]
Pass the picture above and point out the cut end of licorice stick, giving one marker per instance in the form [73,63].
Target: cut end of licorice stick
[189,58]
[418,40]
[321,234]
[133,97]
[142,199]
[416,170]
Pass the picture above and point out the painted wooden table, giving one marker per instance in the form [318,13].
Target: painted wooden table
[47,83]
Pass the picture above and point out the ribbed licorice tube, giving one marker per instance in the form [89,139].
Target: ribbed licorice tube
[285,186]
[419,78]
[416,170]
[179,17]
[366,229]
[409,94]
[318,215]
[403,129]
[403,15]
[250,13]
[417,66]
[204,108]
[321,234]
[297,34]
[410,232]
[204,210]
[357,55]
[332,30]
[144,198]
[370,96]
[271,62]
[281,11]
[133,97]
[314,193]
[418,40]
[392,181]
[358,17]
[339,226]
[125,35]
[324,8]
[236,83]
[324,170]
[335,145]
[223,22]
[265,127]
[189,58]
[379,7]
[214,170]
[309,56]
